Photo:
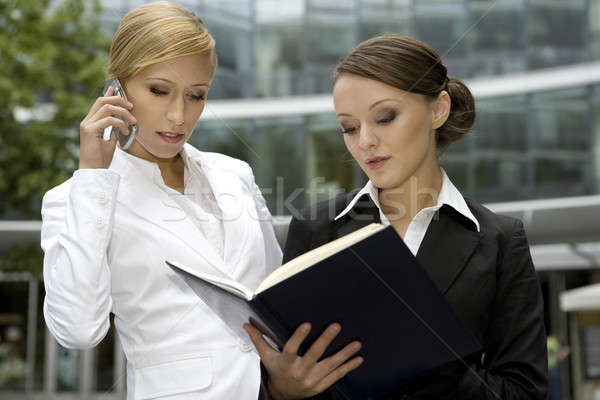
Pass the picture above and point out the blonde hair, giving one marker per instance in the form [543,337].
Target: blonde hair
[157,32]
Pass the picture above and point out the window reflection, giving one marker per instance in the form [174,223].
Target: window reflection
[567,176]
[383,16]
[13,331]
[449,20]
[105,360]
[556,33]
[501,124]
[330,168]
[458,173]
[67,369]
[497,178]
[559,120]
[274,148]
[279,167]
[278,60]
[497,36]
[331,30]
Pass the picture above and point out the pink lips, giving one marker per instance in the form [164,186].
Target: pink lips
[376,162]
[171,137]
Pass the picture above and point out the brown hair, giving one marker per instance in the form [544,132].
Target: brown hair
[413,66]
[156,32]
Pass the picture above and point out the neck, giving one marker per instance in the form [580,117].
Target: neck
[166,165]
[400,204]
[171,169]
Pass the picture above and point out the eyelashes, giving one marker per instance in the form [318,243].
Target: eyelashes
[197,97]
[388,117]
[160,92]
[157,92]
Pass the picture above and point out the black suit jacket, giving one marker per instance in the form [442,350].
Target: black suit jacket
[489,279]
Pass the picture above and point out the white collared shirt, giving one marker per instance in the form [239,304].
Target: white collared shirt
[197,201]
[417,228]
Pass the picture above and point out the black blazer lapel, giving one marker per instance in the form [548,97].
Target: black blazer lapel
[447,247]
[362,214]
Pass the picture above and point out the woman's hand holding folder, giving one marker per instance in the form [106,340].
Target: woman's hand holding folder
[295,377]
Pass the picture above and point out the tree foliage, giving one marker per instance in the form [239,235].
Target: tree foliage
[23,257]
[53,54]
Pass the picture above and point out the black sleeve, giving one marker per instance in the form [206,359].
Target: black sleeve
[515,362]
[298,239]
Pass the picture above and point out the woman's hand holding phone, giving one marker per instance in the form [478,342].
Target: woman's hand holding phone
[93,151]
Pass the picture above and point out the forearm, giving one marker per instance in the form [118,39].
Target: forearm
[75,233]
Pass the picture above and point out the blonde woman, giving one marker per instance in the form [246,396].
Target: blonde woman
[108,230]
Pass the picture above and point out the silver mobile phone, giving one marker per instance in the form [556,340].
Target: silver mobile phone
[125,141]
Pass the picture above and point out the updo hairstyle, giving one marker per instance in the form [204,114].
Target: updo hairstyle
[413,66]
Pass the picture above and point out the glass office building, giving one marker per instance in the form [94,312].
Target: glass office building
[528,143]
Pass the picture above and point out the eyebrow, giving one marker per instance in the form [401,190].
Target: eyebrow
[381,101]
[166,80]
[371,106]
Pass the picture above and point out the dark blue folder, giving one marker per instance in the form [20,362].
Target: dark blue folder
[383,298]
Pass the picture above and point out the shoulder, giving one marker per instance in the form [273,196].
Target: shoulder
[501,229]
[219,161]
[321,214]
[57,193]
[313,226]
[489,219]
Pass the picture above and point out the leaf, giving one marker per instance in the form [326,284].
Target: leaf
[53,54]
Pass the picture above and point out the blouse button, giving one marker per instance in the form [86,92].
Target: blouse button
[102,198]
[245,347]
[100,223]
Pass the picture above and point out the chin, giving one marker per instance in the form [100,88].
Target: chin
[377,179]
[386,182]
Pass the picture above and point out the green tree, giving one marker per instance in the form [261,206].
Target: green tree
[53,55]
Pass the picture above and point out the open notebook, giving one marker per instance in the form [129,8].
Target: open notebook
[370,283]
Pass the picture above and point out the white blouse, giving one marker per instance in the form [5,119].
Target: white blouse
[417,228]
[198,202]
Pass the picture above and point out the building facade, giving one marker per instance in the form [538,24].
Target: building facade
[529,142]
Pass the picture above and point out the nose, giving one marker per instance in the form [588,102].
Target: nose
[367,137]
[176,111]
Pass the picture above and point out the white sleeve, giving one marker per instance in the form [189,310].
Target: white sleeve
[273,254]
[77,220]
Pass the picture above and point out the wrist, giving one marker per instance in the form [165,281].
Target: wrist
[274,393]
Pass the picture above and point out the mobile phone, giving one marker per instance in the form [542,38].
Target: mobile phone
[125,141]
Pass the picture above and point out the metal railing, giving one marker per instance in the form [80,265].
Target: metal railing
[86,362]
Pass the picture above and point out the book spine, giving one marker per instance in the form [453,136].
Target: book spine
[271,320]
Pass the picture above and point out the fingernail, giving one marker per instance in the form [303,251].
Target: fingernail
[305,327]
[335,328]
[356,346]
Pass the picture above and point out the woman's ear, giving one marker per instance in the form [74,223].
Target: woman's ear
[441,109]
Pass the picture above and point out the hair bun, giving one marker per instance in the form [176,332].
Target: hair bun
[462,113]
